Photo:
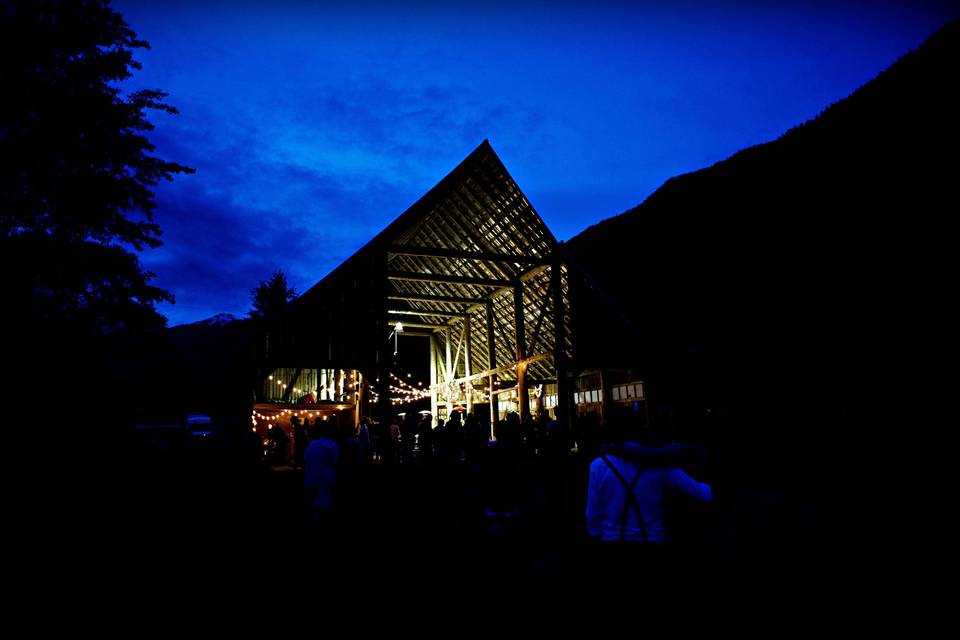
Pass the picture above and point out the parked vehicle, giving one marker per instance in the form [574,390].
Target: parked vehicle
[199,425]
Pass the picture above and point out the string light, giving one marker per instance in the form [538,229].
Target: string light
[408,392]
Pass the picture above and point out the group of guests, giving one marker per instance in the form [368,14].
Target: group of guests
[628,475]
[336,454]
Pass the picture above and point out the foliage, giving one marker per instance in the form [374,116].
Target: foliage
[77,176]
[271,296]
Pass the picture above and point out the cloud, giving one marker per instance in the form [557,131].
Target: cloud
[301,185]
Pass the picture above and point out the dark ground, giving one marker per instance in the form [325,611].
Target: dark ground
[190,533]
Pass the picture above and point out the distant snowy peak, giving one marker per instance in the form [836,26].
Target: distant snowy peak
[219,320]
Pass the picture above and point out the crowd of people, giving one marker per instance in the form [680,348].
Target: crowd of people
[628,472]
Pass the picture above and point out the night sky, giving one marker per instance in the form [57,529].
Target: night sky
[312,127]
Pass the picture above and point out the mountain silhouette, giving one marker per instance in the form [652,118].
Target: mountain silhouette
[799,281]
[219,319]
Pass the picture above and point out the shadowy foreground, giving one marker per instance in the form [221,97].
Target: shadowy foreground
[189,534]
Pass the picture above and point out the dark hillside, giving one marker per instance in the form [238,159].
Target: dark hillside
[798,286]
[203,367]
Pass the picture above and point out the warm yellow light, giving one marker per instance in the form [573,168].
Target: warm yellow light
[398,327]
[269,377]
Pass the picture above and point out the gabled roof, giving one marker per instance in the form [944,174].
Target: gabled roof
[466,241]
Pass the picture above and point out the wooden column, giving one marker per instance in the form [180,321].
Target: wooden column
[492,364]
[289,388]
[357,397]
[604,407]
[384,342]
[560,343]
[448,369]
[523,397]
[433,379]
[466,362]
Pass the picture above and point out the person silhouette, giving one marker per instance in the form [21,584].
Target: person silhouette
[322,457]
[625,500]
[299,441]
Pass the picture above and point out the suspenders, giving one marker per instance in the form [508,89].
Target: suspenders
[631,500]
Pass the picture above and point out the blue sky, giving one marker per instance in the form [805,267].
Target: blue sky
[313,125]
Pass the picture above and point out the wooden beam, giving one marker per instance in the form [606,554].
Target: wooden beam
[519,322]
[524,277]
[383,357]
[358,399]
[427,312]
[443,279]
[466,362]
[435,252]
[289,388]
[536,328]
[504,369]
[456,357]
[448,371]
[421,325]
[523,399]
[422,297]
[560,345]
[492,364]
[433,381]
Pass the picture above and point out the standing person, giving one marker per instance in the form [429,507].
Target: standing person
[351,471]
[501,469]
[452,439]
[393,441]
[279,446]
[425,438]
[408,437]
[322,457]
[474,440]
[625,502]
[299,441]
[363,437]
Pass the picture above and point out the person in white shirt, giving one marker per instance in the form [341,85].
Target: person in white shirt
[626,491]
[321,459]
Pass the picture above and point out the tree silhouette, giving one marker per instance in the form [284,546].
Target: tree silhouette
[76,171]
[271,296]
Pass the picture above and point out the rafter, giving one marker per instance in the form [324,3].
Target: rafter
[436,252]
[427,312]
[422,297]
[422,325]
[445,279]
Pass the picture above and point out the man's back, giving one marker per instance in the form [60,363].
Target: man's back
[611,512]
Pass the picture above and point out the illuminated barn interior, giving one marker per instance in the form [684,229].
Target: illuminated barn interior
[470,283]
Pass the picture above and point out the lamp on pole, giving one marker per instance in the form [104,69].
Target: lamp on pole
[397,330]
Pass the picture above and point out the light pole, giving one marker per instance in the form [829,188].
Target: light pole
[397,330]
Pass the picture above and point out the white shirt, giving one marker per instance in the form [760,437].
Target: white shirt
[606,497]
[321,473]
